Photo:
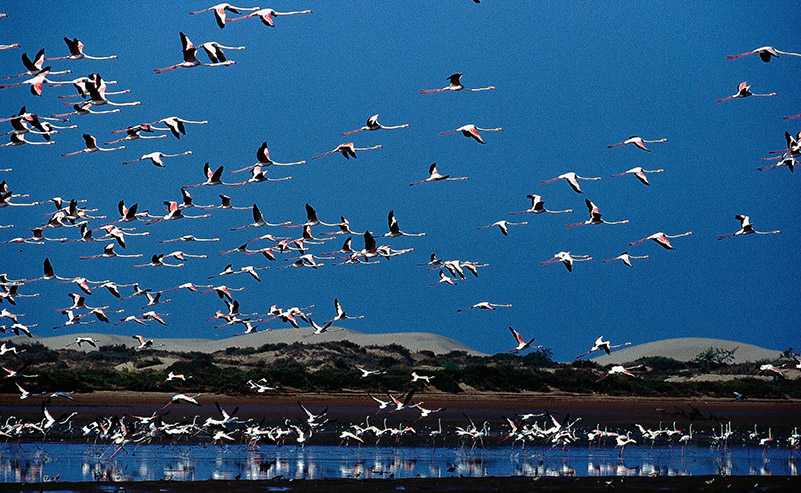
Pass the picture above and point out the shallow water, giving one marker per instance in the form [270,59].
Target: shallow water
[81,462]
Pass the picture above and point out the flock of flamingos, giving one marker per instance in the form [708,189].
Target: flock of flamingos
[301,250]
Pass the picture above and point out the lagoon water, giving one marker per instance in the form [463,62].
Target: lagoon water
[29,462]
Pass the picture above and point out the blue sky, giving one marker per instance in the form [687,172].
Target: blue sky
[571,78]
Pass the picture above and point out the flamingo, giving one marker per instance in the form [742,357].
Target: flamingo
[190,59]
[423,378]
[787,160]
[341,315]
[626,258]
[638,141]
[455,84]
[134,133]
[176,376]
[187,238]
[73,319]
[503,225]
[662,239]
[471,130]
[96,87]
[567,259]
[620,370]
[174,212]
[177,125]
[444,279]
[266,15]
[248,269]
[212,177]
[791,117]
[156,261]
[483,305]
[521,344]
[178,398]
[263,158]
[257,176]
[9,47]
[311,219]
[344,229]
[743,91]
[157,157]
[769,369]
[36,82]
[215,52]
[220,11]
[82,340]
[18,140]
[394,228]
[746,228]
[572,180]
[35,67]
[258,221]
[600,344]
[639,173]
[765,53]
[91,146]
[348,150]
[595,217]
[108,252]
[85,108]
[76,52]
[433,175]
[373,125]
[538,207]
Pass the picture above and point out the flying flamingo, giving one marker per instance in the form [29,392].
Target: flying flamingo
[538,207]
[9,47]
[76,52]
[344,228]
[190,59]
[155,261]
[108,252]
[157,157]
[626,258]
[521,344]
[311,219]
[348,150]
[189,238]
[258,221]
[35,82]
[394,229]
[248,269]
[455,84]
[503,225]
[177,125]
[220,11]
[791,117]
[212,177]
[257,176]
[639,173]
[266,15]
[263,157]
[743,91]
[433,175]
[35,66]
[595,217]
[91,146]
[662,239]
[620,370]
[215,52]
[97,93]
[134,133]
[600,344]
[471,130]
[788,161]
[174,212]
[638,141]
[444,279]
[18,140]
[765,53]
[746,228]
[567,259]
[572,180]
[85,109]
[373,125]
[484,305]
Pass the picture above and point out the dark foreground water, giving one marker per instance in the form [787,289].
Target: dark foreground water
[80,462]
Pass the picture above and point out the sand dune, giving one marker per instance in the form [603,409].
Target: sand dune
[414,341]
[686,349]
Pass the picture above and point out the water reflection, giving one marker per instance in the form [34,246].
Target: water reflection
[78,462]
